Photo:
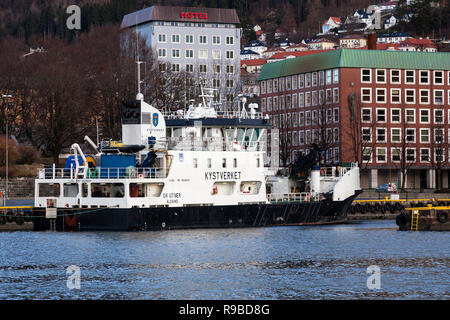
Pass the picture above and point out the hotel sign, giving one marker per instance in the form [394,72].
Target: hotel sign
[193,15]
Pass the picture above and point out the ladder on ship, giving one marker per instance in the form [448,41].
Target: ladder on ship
[415,220]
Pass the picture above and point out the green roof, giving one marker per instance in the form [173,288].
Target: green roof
[357,58]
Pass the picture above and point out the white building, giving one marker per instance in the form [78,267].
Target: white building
[201,41]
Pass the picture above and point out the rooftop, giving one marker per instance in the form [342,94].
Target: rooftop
[172,13]
[350,58]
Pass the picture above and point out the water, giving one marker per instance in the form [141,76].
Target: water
[320,262]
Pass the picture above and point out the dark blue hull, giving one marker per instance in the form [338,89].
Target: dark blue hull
[166,218]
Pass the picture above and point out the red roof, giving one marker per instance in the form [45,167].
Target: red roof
[336,20]
[283,55]
[412,42]
[253,62]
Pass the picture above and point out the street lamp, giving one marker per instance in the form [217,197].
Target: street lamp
[6,96]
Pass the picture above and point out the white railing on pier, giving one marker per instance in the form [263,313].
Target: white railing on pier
[292,197]
[101,173]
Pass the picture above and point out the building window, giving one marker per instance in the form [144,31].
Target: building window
[308,80]
[410,116]
[336,115]
[367,154]
[335,75]
[410,96]
[381,134]
[396,135]
[162,67]
[175,53]
[301,137]
[381,115]
[328,75]
[366,95]
[395,115]
[439,135]
[381,76]
[396,96]
[424,96]
[263,105]
[308,99]
[294,82]
[366,115]
[439,77]
[275,85]
[294,101]
[229,40]
[216,39]
[202,68]
[288,83]
[366,134]
[189,38]
[314,98]
[424,77]
[161,38]
[269,104]
[161,52]
[439,155]
[410,77]
[410,154]
[335,95]
[216,83]
[230,54]
[301,119]
[395,154]
[336,134]
[381,155]
[424,154]
[424,116]
[301,100]
[189,68]
[189,54]
[308,118]
[301,81]
[175,67]
[424,135]
[410,135]
[438,116]
[336,154]
[275,103]
[230,83]
[366,75]
[438,96]
[314,79]
[203,54]
[328,96]
[202,40]
[216,54]
[396,77]
[381,95]
[175,38]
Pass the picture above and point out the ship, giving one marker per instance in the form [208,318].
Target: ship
[194,168]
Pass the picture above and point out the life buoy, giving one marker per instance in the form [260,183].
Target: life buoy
[322,172]
[442,216]
[308,198]
[214,190]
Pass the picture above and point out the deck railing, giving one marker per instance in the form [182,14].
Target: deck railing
[101,173]
[170,115]
[291,197]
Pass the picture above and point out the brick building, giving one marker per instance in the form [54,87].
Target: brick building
[389,110]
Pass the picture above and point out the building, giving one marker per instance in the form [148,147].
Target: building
[256,46]
[292,54]
[204,42]
[330,24]
[411,44]
[271,51]
[249,54]
[390,21]
[389,110]
[322,44]
[250,86]
[253,66]
[297,47]
[353,41]
[395,37]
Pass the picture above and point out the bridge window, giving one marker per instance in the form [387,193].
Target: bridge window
[49,189]
[107,190]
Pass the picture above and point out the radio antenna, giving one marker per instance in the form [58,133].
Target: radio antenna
[139,95]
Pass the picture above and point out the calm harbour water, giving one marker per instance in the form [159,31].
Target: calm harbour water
[320,262]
